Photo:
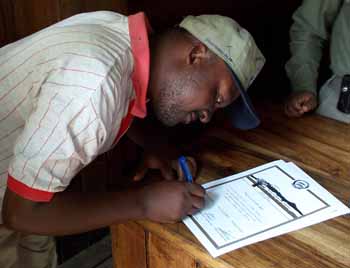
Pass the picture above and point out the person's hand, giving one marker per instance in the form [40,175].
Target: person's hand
[171,201]
[169,168]
[299,103]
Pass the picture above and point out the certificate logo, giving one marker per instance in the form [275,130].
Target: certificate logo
[301,184]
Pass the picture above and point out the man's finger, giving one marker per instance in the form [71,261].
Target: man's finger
[298,103]
[292,110]
[193,210]
[306,107]
[196,189]
[193,165]
[140,172]
[176,166]
[286,109]
[167,173]
[198,202]
[311,103]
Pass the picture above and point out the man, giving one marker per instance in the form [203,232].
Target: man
[71,91]
[317,22]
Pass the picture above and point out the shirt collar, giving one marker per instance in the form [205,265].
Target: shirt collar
[138,30]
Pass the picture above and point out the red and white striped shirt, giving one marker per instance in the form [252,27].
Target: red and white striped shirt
[67,94]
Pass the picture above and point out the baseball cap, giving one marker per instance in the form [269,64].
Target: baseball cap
[235,45]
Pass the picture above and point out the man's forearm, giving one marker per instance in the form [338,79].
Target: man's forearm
[148,133]
[69,212]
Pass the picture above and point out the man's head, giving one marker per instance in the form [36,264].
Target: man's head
[195,70]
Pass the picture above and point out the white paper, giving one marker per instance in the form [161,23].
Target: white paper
[258,204]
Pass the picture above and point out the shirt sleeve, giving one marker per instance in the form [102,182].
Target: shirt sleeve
[312,25]
[61,136]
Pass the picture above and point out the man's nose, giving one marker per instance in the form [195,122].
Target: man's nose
[205,116]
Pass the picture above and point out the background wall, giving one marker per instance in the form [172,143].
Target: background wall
[19,18]
[268,21]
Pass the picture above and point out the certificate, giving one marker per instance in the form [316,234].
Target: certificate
[258,204]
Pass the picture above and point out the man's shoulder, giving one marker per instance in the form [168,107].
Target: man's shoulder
[97,17]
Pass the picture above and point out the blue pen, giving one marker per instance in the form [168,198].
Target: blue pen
[185,169]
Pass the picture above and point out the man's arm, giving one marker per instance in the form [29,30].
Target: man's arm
[313,21]
[69,212]
[159,152]
[148,132]
[311,29]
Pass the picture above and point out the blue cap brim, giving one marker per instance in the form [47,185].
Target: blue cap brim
[242,113]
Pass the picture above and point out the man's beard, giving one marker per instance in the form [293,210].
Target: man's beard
[168,111]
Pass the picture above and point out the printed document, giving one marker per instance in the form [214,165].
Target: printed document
[258,204]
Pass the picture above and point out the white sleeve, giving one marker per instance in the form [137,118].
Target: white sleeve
[61,136]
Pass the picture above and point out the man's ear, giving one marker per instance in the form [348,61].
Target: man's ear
[198,53]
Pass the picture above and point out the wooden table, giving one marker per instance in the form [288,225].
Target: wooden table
[318,145]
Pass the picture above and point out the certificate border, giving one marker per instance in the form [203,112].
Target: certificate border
[217,247]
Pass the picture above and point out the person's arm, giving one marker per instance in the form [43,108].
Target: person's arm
[148,133]
[313,21]
[61,136]
[34,201]
[159,152]
[70,212]
[41,169]
[311,29]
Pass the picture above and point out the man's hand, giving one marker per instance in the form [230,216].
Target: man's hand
[299,103]
[170,169]
[171,201]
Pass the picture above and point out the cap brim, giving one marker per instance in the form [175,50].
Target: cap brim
[242,113]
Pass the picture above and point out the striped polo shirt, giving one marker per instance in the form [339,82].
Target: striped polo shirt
[67,94]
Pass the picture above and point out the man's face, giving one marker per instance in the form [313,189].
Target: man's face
[194,93]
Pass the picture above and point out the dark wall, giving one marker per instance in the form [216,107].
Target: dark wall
[19,18]
[268,22]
